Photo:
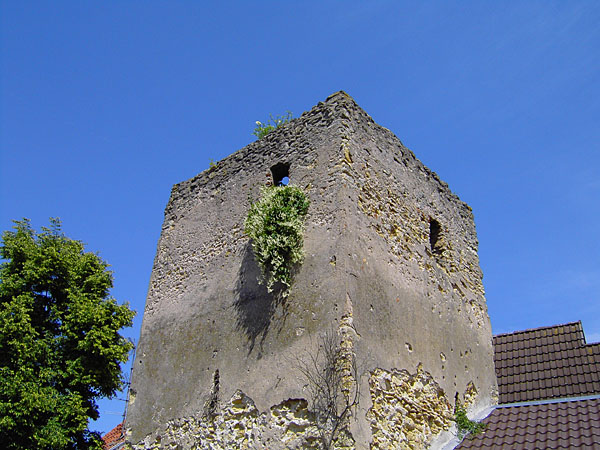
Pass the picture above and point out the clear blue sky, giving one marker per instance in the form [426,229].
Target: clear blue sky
[105,105]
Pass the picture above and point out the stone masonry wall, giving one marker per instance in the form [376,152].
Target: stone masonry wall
[390,264]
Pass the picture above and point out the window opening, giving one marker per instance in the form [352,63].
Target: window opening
[435,230]
[281,174]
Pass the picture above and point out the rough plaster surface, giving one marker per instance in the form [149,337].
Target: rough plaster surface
[391,263]
[240,425]
[407,410]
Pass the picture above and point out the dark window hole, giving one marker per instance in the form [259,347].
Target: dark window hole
[281,174]
[435,230]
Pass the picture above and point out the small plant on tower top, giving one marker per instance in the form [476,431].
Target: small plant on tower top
[262,129]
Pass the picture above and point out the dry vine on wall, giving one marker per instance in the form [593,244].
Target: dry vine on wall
[331,377]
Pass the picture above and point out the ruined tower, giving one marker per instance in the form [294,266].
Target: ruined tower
[390,269]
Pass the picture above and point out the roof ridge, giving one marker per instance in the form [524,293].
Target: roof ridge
[529,330]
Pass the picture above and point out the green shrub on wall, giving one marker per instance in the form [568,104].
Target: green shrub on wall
[465,426]
[262,129]
[275,223]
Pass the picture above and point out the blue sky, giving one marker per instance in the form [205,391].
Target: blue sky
[105,105]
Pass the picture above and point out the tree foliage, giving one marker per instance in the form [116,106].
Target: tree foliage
[60,347]
[276,225]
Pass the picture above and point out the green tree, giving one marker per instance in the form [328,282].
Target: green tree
[60,347]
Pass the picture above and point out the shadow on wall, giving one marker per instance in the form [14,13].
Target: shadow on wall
[255,306]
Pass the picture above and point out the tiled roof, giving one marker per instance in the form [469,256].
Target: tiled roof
[544,367]
[557,425]
[545,363]
[113,438]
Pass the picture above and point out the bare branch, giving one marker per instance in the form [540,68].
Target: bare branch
[331,377]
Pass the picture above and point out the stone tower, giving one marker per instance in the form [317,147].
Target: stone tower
[390,269]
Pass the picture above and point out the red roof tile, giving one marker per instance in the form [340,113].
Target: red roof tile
[113,437]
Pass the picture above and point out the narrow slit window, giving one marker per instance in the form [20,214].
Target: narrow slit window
[435,243]
[281,174]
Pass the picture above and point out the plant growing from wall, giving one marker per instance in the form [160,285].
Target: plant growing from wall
[465,425]
[262,129]
[275,223]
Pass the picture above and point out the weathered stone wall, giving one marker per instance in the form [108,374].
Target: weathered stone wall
[408,410]
[391,264]
[239,425]
[205,309]
[425,290]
